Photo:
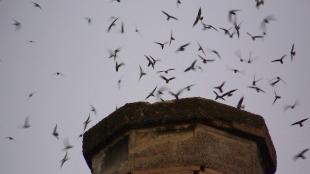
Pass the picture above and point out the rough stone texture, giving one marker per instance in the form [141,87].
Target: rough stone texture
[192,131]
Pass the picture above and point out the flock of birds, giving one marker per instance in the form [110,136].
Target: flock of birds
[203,58]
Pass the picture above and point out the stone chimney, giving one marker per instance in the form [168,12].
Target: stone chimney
[186,136]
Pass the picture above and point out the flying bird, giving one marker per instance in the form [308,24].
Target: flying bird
[182,47]
[35,4]
[291,106]
[169,16]
[142,73]
[58,74]
[162,45]
[151,94]
[293,52]
[171,38]
[86,122]
[201,49]
[255,81]
[259,3]
[301,154]
[17,25]
[199,17]
[189,87]
[176,95]
[204,60]
[26,124]
[67,145]
[178,3]
[266,21]
[237,28]
[191,67]
[257,89]
[55,133]
[231,14]
[122,27]
[273,82]
[112,24]
[9,138]
[64,159]
[93,109]
[216,53]
[167,80]
[254,37]
[88,19]
[208,26]
[240,105]
[279,60]
[118,65]
[300,122]
[166,71]
[276,97]
[220,87]
[217,96]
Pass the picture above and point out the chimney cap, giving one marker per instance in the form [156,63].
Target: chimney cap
[187,110]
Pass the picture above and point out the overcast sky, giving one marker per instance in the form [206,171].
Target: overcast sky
[58,38]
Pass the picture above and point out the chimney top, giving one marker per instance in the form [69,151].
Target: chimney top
[187,110]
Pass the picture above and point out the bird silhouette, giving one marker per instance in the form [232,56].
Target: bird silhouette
[64,159]
[279,60]
[122,27]
[171,38]
[188,87]
[216,53]
[182,47]
[220,87]
[167,80]
[26,124]
[257,89]
[169,16]
[232,15]
[236,71]
[177,94]
[166,71]
[208,26]
[17,24]
[276,97]
[58,73]
[217,96]
[88,20]
[118,65]
[162,45]
[55,133]
[113,53]
[300,122]
[198,18]
[204,60]
[86,122]
[255,81]
[273,82]
[254,37]
[67,144]
[112,24]
[35,4]
[259,3]
[266,21]
[291,106]
[201,49]
[161,91]
[93,109]
[151,94]
[237,28]
[142,73]
[301,154]
[293,52]
[240,105]
[191,67]
[178,3]
[226,31]
[10,138]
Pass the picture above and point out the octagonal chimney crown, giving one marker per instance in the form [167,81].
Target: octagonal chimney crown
[186,136]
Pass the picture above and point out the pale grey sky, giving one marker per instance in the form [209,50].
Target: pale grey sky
[64,42]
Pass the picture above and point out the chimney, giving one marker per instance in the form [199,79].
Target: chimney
[186,136]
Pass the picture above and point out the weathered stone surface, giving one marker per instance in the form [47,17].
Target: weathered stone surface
[191,131]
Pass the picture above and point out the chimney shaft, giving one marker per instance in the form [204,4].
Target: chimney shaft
[186,136]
